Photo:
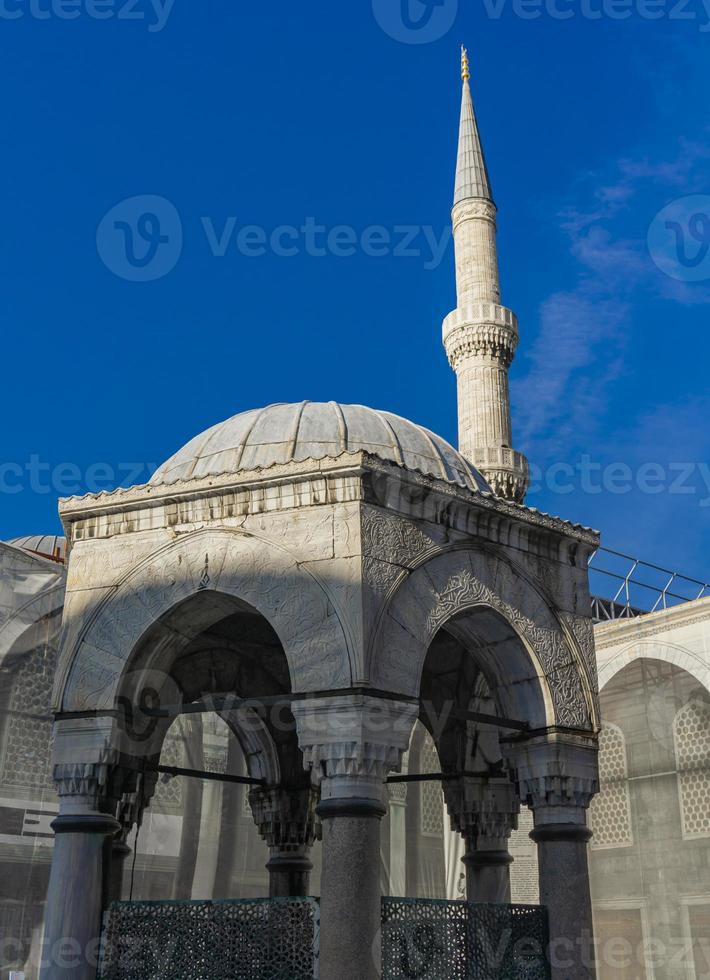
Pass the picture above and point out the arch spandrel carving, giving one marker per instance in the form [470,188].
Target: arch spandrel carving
[458,581]
[248,568]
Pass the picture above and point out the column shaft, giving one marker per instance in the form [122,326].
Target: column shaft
[75,897]
[488,876]
[350,892]
[564,890]
[289,875]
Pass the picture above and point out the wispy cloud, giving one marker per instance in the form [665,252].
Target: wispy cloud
[563,398]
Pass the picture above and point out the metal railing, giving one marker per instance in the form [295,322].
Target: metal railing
[624,587]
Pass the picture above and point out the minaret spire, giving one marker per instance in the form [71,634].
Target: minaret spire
[471,171]
[481,336]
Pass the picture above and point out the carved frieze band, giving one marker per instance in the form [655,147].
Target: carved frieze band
[473,208]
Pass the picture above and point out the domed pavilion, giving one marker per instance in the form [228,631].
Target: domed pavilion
[355,570]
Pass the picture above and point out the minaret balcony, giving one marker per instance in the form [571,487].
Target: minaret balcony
[480,329]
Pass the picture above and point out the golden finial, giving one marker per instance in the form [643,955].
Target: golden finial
[465,69]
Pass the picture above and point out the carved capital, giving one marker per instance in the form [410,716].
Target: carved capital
[350,743]
[484,811]
[557,776]
[84,761]
[286,819]
[82,786]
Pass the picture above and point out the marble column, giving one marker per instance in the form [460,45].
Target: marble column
[485,812]
[557,777]
[286,819]
[77,884]
[351,743]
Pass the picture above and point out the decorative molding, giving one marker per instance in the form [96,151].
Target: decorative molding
[473,208]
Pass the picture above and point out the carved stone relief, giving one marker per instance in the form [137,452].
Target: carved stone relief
[459,580]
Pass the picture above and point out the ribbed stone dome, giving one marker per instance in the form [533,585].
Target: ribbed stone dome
[313,430]
[47,545]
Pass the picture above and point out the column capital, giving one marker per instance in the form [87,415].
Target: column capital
[286,818]
[84,759]
[483,810]
[351,742]
[557,776]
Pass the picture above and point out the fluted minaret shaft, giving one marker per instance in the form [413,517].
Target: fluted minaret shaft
[481,336]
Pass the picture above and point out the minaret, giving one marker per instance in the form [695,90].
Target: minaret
[481,336]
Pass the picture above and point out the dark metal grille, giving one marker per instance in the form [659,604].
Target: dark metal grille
[267,939]
[424,939]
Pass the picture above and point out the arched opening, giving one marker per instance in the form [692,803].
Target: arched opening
[207,693]
[198,839]
[479,682]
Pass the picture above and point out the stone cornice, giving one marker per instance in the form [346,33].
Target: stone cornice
[620,631]
[349,478]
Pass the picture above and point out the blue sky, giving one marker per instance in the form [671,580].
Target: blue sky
[594,119]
